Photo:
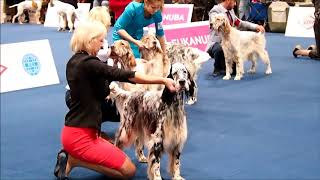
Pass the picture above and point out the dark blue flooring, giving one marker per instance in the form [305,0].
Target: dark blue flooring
[259,128]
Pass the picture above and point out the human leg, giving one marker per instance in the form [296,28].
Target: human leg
[216,52]
[316,28]
[86,149]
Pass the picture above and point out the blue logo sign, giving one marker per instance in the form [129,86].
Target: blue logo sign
[31,64]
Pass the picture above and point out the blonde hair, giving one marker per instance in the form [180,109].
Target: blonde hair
[84,34]
[101,14]
[152,1]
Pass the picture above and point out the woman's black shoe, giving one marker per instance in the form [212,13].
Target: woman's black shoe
[60,168]
[298,47]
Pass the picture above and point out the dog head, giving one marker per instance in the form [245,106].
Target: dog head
[151,42]
[219,23]
[181,76]
[122,52]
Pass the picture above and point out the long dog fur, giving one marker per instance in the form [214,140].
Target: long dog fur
[156,119]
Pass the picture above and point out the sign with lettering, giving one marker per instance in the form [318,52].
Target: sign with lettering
[177,13]
[27,65]
[195,34]
[301,25]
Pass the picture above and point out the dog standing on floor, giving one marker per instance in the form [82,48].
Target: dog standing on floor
[239,46]
[67,14]
[34,5]
[157,118]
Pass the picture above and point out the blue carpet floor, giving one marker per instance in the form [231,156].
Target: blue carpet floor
[259,128]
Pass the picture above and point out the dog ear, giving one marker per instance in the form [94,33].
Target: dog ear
[170,73]
[131,59]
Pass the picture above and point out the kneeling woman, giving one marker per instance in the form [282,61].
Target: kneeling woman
[89,80]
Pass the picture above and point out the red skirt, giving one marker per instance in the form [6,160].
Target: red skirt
[85,145]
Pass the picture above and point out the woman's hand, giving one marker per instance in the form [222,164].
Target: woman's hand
[260,29]
[169,83]
[139,44]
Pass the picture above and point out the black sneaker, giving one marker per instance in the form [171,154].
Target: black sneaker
[61,164]
[298,47]
[216,73]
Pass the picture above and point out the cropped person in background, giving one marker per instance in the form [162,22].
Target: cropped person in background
[214,48]
[89,80]
[314,50]
[135,17]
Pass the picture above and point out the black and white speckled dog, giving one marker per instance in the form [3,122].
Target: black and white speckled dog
[157,119]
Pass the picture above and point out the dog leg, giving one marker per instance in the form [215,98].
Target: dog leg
[154,161]
[265,58]
[121,136]
[252,70]
[155,153]
[174,164]
[69,21]
[15,17]
[228,70]
[38,16]
[62,23]
[239,67]
[139,151]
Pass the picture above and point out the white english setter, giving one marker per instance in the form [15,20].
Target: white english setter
[157,119]
[239,46]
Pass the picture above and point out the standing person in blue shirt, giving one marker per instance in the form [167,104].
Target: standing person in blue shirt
[135,17]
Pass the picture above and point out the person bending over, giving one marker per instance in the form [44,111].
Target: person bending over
[314,50]
[214,48]
[135,17]
[89,80]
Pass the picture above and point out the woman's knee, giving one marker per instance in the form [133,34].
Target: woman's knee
[128,169]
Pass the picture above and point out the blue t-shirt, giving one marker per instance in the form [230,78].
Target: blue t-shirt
[133,21]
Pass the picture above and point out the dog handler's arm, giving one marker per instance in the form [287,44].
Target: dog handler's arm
[124,34]
[141,78]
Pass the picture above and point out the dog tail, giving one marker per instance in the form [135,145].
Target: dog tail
[34,4]
[13,6]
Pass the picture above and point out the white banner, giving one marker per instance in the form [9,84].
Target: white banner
[52,18]
[300,22]
[27,65]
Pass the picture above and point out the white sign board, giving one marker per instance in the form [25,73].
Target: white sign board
[27,65]
[300,22]
[52,18]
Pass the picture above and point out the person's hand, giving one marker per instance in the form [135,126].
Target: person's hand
[169,83]
[260,29]
[140,45]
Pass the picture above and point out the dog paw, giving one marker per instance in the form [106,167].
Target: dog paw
[226,77]
[177,178]
[251,71]
[237,78]
[142,159]
[269,71]
[191,101]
